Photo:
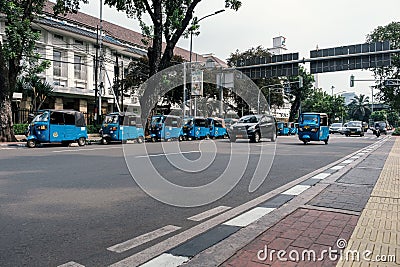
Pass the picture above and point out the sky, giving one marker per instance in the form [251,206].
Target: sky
[305,24]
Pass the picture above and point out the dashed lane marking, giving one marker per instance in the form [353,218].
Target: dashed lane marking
[167,154]
[165,260]
[339,167]
[208,213]
[249,217]
[296,190]
[71,264]
[137,241]
[321,176]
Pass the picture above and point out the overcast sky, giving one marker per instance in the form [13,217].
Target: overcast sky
[305,24]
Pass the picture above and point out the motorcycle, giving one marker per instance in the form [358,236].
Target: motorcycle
[377,132]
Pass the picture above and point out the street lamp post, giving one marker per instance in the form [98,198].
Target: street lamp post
[191,49]
[333,87]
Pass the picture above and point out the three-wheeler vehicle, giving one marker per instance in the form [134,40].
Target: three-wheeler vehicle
[217,128]
[57,126]
[293,128]
[313,127]
[283,128]
[165,128]
[196,128]
[121,126]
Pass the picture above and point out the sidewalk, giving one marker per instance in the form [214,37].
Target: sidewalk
[350,217]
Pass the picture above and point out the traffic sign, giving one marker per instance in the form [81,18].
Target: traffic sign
[360,56]
[272,66]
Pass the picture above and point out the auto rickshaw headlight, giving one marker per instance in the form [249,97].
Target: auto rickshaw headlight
[114,128]
[41,127]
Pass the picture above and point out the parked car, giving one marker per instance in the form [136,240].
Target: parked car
[254,127]
[354,128]
[336,128]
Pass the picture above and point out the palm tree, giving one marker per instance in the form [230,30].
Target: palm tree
[359,107]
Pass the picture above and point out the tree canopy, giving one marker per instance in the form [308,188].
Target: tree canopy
[390,32]
[17,54]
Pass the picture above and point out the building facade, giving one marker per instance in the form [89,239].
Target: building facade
[71,44]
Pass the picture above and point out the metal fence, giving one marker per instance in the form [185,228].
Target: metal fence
[20,116]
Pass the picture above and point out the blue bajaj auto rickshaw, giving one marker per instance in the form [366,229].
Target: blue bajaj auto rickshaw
[58,126]
[122,126]
[217,128]
[293,128]
[313,127]
[283,128]
[165,128]
[196,128]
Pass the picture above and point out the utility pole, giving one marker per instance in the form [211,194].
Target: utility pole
[96,76]
[116,78]
[101,85]
[122,86]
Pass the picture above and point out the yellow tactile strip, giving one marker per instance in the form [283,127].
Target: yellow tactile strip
[376,238]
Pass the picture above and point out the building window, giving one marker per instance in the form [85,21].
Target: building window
[58,37]
[57,64]
[78,67]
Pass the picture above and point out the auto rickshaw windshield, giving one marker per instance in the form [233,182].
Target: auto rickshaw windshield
[309,118]
[111,119]
[156,120]
[43,118]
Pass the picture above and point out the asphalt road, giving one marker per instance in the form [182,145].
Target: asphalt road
[70,204]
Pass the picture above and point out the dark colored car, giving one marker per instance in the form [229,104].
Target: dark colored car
[354,128]
[254,127]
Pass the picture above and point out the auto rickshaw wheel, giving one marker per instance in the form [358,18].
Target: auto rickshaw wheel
[326,141]
[105,141]
[31,143]
[153,139]
[305,142]
[180,138]
[140,139]
[81,141]
[207,137]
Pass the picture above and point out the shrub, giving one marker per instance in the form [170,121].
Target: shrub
[20,129]
[93,129]
[396,131]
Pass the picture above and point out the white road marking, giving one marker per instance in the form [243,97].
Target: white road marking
[137,241]
[355,157]
[296,190]
[360,154]
[321,176]
[249,217]
[71,264]
[167,154]
[346,161]
[164,260]
[208,213]
[339,167]
[84,149]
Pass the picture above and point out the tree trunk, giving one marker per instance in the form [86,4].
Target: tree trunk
[6,125]
[294,109]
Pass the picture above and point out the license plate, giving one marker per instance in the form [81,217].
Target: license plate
[352,132]
[239,136]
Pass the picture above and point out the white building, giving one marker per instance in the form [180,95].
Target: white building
[69,43]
